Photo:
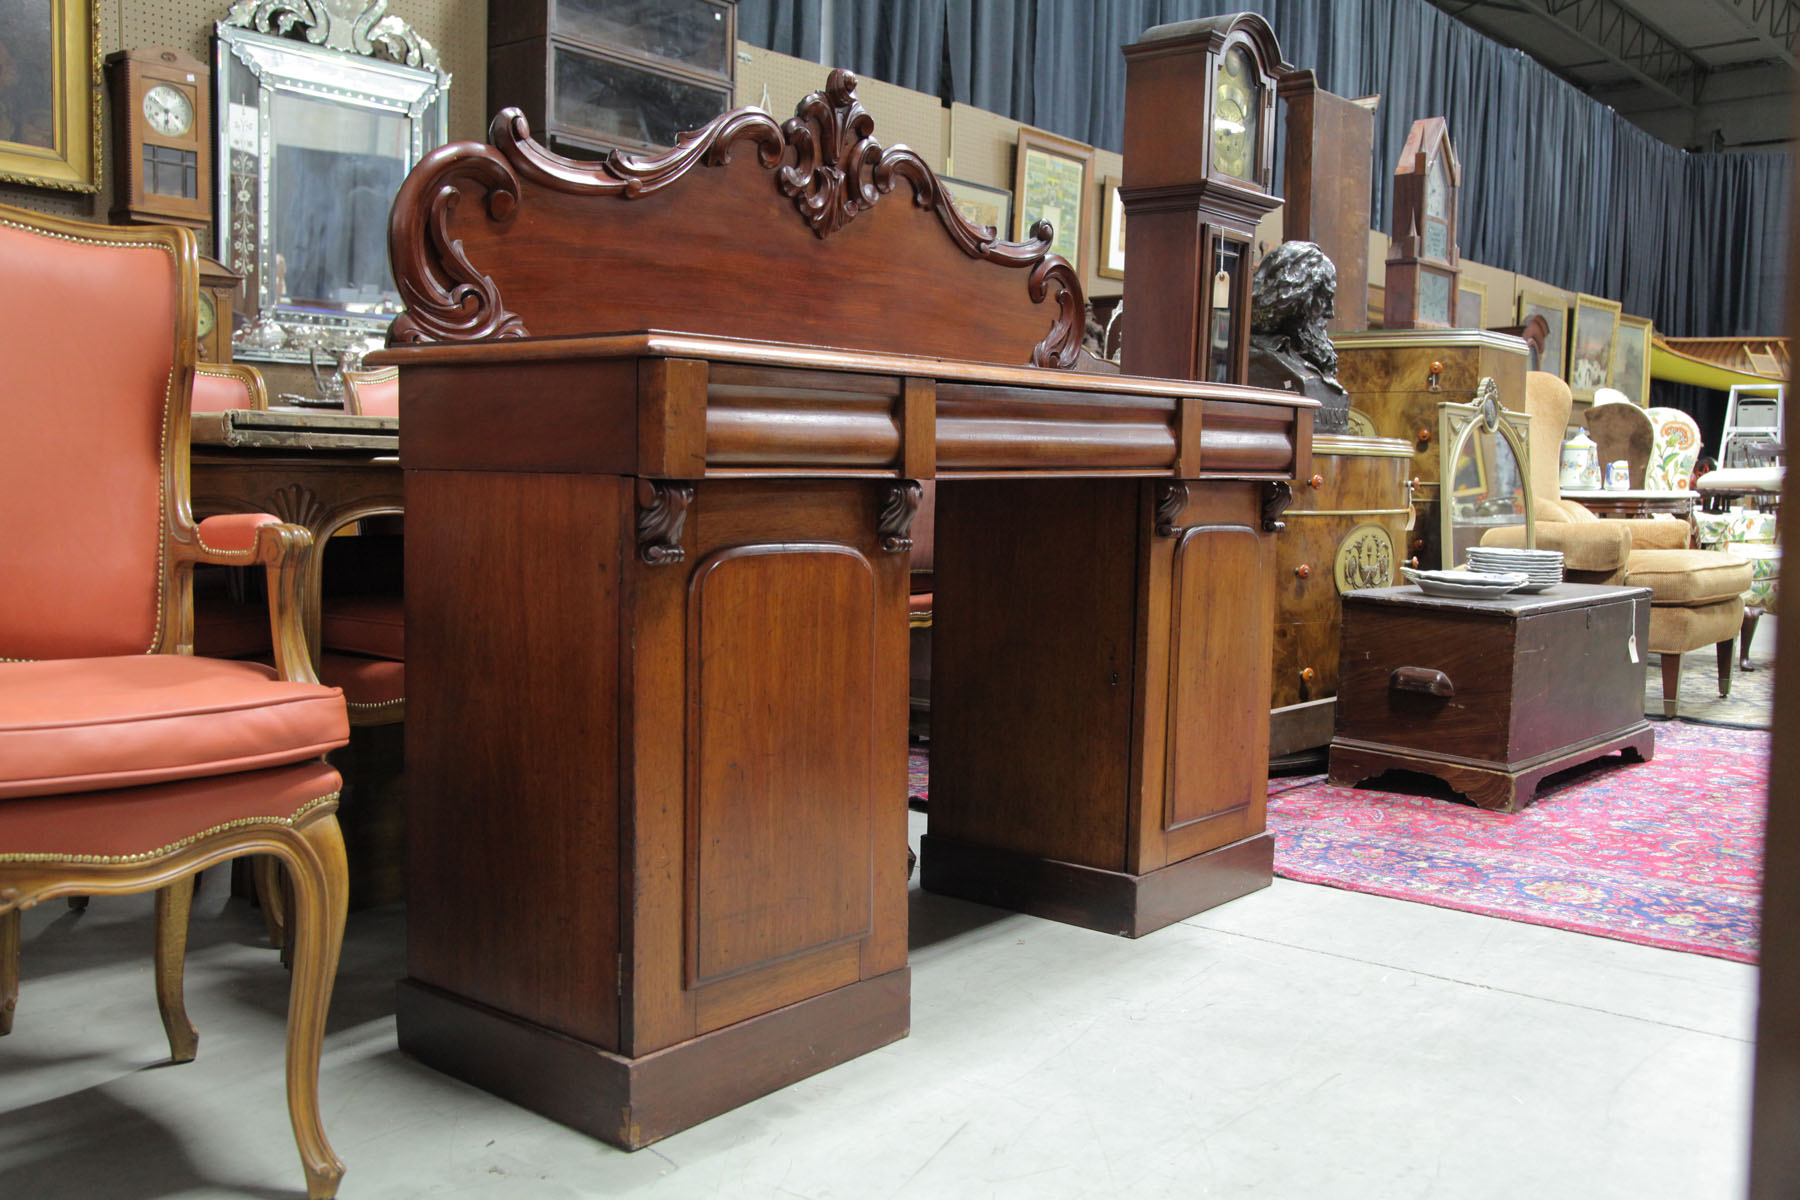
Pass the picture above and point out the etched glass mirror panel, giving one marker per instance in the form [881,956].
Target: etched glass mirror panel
[316,139]
[1486,481]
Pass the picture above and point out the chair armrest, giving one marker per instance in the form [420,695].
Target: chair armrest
[253,539]
[1585,546]
[1652,534]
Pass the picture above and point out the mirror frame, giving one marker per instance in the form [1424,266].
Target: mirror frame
[342,62]
[1456,424]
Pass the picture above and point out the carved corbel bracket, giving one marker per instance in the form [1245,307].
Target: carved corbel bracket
[1171,498]
[1277,495]
[662,511]
[899,505]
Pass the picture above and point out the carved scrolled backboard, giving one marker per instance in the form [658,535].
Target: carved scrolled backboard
[794,232]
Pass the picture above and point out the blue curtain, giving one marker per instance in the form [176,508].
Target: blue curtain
[1556,185]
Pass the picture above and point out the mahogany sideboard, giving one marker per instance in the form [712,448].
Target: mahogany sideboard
[657,608]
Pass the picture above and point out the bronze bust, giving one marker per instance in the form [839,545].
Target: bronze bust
[1292,295]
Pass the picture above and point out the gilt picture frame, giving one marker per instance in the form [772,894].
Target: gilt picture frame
[982,204]
[1053,180]
[50,94]
[1111,264]
[1630,371]
[1593,328]
[1555,311]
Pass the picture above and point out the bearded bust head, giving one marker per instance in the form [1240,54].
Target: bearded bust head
[1293,295]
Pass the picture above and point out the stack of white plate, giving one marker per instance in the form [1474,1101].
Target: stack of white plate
[1541,568]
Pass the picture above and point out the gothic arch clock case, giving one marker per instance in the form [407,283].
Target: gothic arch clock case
[1199,160]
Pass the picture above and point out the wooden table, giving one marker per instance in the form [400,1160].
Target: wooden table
[1491,696]
[321,470]
[1634,502]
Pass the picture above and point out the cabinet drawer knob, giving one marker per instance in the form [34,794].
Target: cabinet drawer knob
[1421,679]
[1424,435]
[1304,571]
[1318,481]
[1307,674]
[1413,562]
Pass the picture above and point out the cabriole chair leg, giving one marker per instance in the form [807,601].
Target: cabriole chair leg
[173,904]
[9,969]
[320,888]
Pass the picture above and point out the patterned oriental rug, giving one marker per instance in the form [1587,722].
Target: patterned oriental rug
[1665,853]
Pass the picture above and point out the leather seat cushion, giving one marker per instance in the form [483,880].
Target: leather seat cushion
[1687,576]
[373,626]
[918,602]
[369,684]
[145,822]
[83,724]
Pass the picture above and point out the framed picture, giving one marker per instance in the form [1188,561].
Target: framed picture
[983,205]
[1555,311]
[1112,230]
[1051,182]
[1592,331]
[1631,359]
[50,93]
[1471,303]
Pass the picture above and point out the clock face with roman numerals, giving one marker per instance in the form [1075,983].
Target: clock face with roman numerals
[168,110]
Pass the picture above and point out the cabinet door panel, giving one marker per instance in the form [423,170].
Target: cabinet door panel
[1218,720]
[781,749]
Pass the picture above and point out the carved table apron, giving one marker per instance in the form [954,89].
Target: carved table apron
[657,692]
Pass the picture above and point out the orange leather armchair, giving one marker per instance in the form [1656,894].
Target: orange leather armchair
[127,764]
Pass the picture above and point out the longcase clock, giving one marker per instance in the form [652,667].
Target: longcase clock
[1199,156]
[1423,263]
[162,114]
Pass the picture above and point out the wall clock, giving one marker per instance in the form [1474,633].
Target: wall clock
[162,143]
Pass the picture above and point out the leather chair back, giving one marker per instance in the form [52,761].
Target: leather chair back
[1622,431]
[219,387]
[97,334]
[373,393]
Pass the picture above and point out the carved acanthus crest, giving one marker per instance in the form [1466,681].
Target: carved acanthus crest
[899,505]
[836,170]
[662,511]
[352,26]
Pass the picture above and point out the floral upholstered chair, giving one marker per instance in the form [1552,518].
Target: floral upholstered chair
[1674,452]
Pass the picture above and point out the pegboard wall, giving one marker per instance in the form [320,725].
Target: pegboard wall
[458,28]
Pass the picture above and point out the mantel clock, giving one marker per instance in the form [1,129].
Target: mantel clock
[1199,157]
[162,113]
[1423,263]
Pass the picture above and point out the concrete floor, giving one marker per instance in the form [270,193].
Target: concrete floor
[1300,1042]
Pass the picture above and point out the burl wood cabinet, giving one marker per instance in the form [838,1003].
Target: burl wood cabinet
[1397,378]
[1347,530]
[657,607]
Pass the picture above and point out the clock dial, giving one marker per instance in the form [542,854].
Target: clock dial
[1235,112]
[1437,191]
[168,110]
[209,316]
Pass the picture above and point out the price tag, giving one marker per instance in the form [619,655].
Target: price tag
[1222,290]
[241,128]
[1631,646]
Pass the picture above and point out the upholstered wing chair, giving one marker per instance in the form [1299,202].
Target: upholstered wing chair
[127,764]
[1695,596]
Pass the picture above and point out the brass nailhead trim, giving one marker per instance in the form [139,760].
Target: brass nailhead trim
[118,859]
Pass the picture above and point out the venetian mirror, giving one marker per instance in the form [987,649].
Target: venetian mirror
[1485,478]
[324,106]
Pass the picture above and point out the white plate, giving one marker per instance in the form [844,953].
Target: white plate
[1464,585]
